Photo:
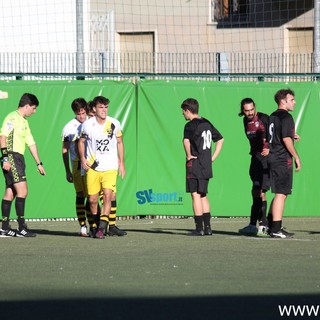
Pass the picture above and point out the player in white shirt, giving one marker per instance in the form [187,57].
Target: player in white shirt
[101,152]
[70,137]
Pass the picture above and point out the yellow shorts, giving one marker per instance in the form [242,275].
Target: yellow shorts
[105,180]
[79,181]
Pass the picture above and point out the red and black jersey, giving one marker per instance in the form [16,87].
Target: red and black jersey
[256,132]
[201,133]
[281,125]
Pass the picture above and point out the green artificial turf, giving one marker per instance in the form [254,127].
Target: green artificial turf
[159,271]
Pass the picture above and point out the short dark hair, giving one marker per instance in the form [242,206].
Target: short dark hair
[100,99]
[28,98]
[90,106]
[79,103]
[191,104]
[282,94]
[242,103]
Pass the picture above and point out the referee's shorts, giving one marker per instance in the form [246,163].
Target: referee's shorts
[17,172]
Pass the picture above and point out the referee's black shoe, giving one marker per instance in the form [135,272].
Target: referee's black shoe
[25,233]
[7,233]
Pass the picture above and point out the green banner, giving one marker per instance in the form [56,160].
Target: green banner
[153,124]
[161,172]
[52,196]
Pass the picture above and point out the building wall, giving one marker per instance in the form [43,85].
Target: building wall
[188,26]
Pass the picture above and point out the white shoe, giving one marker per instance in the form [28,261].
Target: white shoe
[249,230]
[263,231]
[83,231]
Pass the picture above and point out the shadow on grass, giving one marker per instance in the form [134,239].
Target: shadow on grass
[173,231]
[220,307]
[179,232]
[55,232]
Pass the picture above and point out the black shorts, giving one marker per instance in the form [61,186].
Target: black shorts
[281,174]
[17,172]
[259,173]
[197,185]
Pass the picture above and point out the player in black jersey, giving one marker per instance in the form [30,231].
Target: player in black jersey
[281,136]
[198,136]
[255,127]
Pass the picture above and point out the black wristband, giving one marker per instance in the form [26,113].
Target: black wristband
[39,164]
[4,152]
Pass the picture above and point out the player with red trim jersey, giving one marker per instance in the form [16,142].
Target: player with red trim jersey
[255,127]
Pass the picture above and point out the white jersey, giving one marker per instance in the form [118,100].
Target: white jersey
[71,133]
[101,143]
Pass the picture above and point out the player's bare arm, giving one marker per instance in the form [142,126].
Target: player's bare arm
[290,147]
[81,148]
[65,157]
[187,149]
[34,151]
[265,150]
[217,149]
[120,146]
[296,137]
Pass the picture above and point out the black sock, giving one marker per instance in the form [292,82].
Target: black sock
[81,210]
[88,213]
[263,214]
[270,220]
[276,226]
[20,205]
[96,220]
[5,208]
[206,219]
[199,222]
[255,210]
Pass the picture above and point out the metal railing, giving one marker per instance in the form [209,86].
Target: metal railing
[219,66]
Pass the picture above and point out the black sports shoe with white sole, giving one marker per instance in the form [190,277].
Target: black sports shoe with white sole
[25,233]
[7,233]
[282,234]
[207,231]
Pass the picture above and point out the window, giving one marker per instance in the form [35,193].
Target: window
[227,9]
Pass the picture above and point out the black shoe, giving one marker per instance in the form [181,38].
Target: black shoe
[283,230]
[282,234]
[207,231]
[25,233]
[7,233]
[199,232]
[92,232]
[115,231]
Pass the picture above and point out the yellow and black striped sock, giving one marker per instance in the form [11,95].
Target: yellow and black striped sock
[89,214]
[81,210]
[113,213]
[103,224]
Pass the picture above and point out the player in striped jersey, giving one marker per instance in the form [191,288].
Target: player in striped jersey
[102,156]
[70,137]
